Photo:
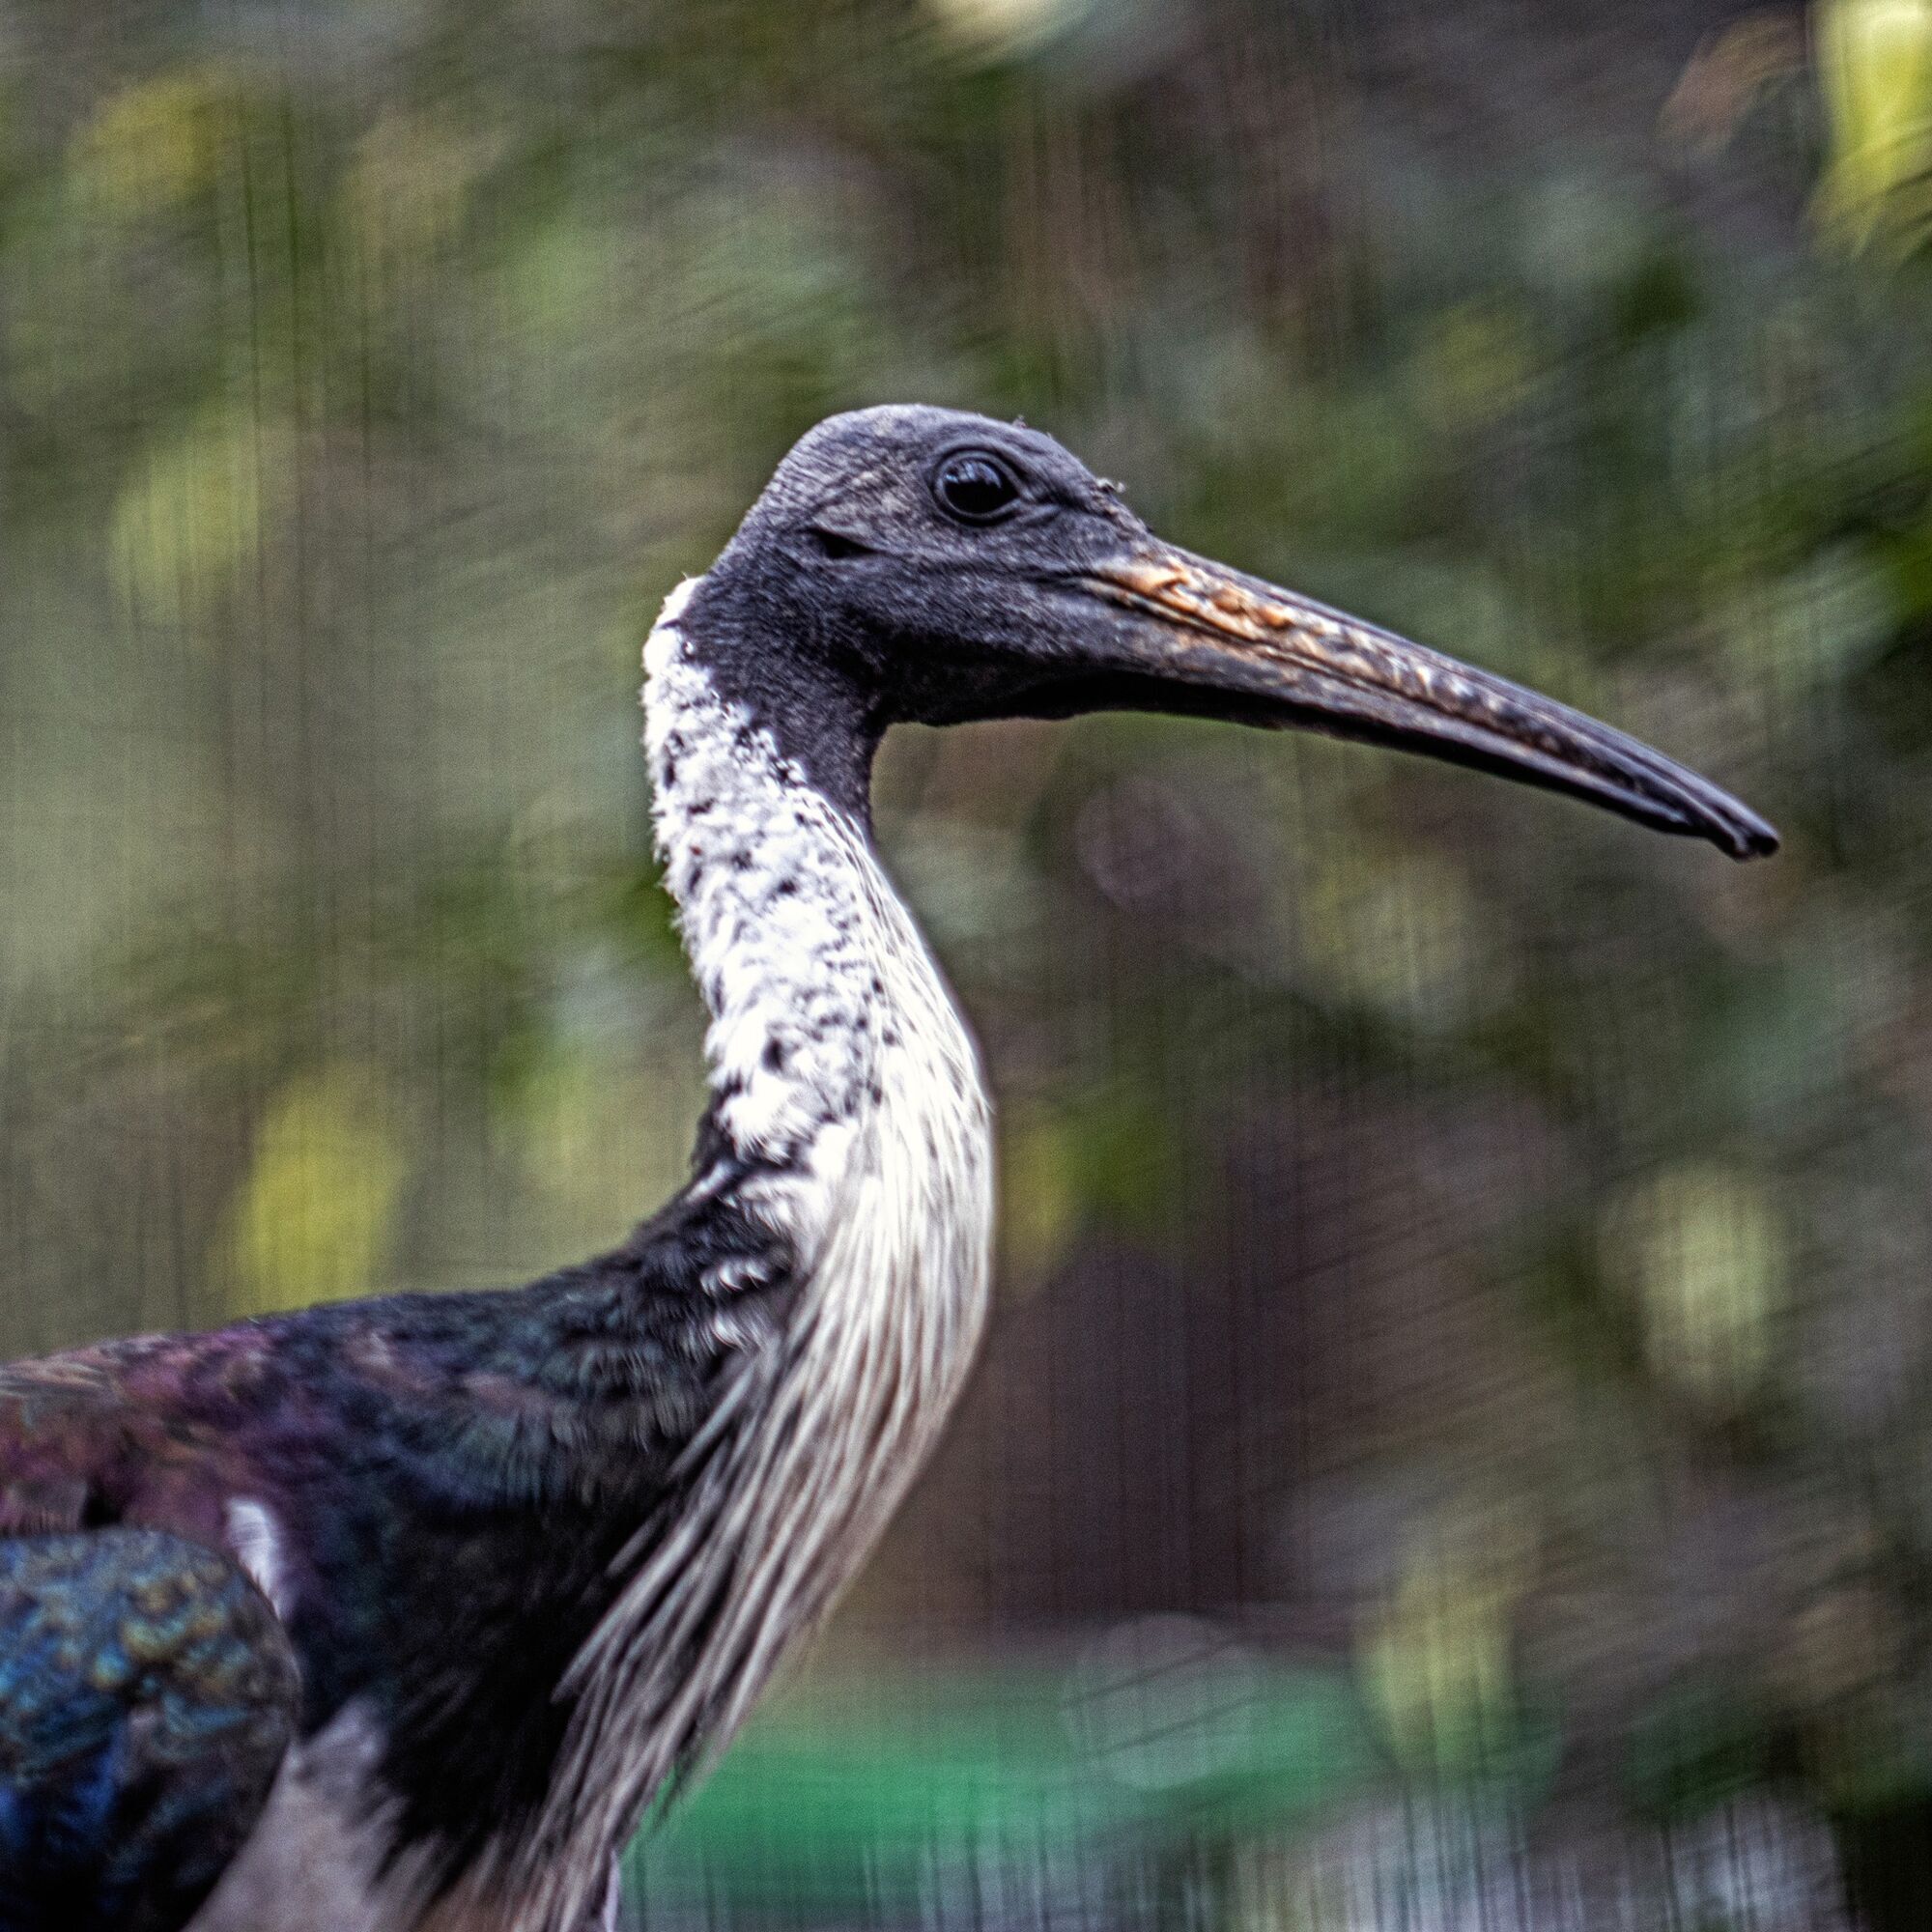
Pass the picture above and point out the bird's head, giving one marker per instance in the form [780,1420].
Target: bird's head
[927,566]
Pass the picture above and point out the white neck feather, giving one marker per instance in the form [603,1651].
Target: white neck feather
[830,1022]
[840,1065]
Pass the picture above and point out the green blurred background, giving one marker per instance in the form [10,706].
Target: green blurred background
[1456,1446]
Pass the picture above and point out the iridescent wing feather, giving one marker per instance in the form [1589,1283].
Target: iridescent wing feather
[147,1696]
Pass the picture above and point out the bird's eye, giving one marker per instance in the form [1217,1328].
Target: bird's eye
[976,487]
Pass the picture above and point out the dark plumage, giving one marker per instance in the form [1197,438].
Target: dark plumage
[148,1695]
[519,1559]
[466,1469]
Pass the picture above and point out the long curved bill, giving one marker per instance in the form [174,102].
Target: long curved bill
[1230,645]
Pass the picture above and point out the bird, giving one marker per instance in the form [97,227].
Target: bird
[401,1614]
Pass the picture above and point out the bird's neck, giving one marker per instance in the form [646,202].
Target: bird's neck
[834,1037]
[847,1091]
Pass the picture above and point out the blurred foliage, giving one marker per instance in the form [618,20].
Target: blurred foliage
[1875,69]
[896,1798]
[1703,1256]
[1437,1661]
[1386,1152]
[313,1217]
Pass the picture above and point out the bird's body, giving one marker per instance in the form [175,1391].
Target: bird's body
[446,1497]
[501,1567]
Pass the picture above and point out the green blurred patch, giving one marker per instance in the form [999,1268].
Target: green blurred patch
[1436,1655]
[1697,1746]
[1705,1255]
[189,525]
[405,193]
[1114,1156]
[1039,1194]
[315,1213]
[1477,361]
[1875,69]
[857,1799]
[993,30]
[158,142]
[1399,933]
[593,1132]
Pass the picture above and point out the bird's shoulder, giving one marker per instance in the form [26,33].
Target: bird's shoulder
[74,1423]
[594,1372]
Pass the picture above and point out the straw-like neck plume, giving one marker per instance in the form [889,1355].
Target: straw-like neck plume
[855,1131]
